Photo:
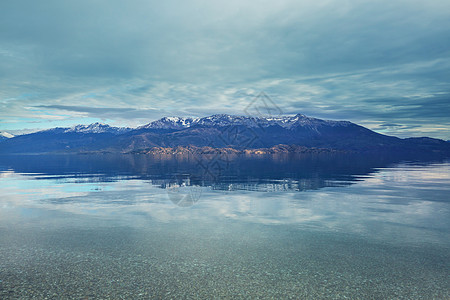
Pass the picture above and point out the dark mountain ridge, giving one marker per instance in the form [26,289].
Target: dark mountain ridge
[219,131]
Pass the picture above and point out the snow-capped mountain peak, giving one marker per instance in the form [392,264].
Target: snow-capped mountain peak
[96,128]
[222,120]
[6,135]
[92,128]
[217,131]
[170,123]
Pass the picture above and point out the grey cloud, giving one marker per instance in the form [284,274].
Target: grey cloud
[435,107]
[198,40]
[396,126]
[372,61]
[107,112]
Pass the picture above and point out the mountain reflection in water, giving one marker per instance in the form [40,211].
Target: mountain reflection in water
[253,173]
[323,226]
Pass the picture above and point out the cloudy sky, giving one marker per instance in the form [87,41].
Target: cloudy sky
[382,64]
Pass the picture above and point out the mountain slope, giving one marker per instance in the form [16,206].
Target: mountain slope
[255,132]
[219,131]
[5,135]
[88,137]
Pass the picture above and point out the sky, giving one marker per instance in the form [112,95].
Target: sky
[381,64]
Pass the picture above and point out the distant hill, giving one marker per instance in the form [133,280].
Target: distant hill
[287,133]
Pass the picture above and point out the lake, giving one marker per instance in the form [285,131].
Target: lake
[322,226]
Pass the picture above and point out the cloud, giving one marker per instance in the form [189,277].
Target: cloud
[105,112]
[370,61]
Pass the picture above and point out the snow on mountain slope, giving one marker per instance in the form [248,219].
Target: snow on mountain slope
[221,120]
[97,128]
[170,123]
[5,135]
[218,120]
[89,129]
[218,131]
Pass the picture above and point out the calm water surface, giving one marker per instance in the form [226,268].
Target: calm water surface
[287,227]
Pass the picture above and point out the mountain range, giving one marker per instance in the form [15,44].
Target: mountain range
[288,133]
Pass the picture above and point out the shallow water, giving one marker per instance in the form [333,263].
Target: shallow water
[140,227]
